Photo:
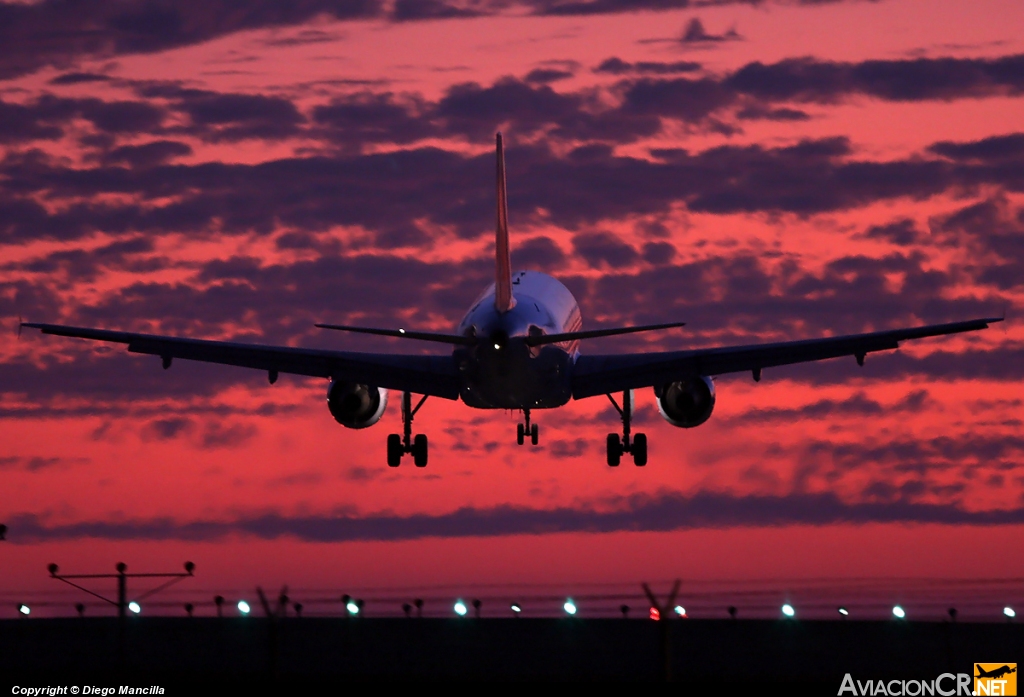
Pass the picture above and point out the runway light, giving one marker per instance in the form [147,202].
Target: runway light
[898,612]
[569,607]
[460,608]
[516,608]
[352,606]
[844,612]
[680,610]
[788,610]
[497,347]
[1008,611]
[243,607]
[655,613]
[135,607]
[24,609]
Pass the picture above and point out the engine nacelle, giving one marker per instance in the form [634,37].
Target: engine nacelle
[688,403]
[356,406]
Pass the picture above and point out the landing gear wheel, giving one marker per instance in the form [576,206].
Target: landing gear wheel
[520,434]
[394,450]
[614,450]
[533,434]
[639,449]
[419,450]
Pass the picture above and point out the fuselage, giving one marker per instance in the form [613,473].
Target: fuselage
[503,372]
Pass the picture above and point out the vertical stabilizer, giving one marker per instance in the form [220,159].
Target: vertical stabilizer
[503,300]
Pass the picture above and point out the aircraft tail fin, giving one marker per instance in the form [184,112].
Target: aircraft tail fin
[503,300]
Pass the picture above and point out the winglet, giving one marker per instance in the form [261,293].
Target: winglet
[503,300]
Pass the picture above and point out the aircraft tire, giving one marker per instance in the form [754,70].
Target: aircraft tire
[534,434]
[614,450]
[419,450]
[394,450]
[520,434]
[640,449]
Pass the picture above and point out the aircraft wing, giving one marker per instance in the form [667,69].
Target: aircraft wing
[428,375]
[594,375]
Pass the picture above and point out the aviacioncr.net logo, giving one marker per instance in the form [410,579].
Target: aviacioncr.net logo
[946,685]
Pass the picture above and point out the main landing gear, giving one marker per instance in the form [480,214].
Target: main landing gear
[523,430]
[616,446]
[400,445]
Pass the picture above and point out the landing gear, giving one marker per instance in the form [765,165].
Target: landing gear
[400,445]
[616,446]
[522,430]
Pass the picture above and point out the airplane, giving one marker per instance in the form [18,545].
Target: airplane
[995,672]
[517,348]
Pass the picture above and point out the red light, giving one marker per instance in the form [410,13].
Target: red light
[655,614]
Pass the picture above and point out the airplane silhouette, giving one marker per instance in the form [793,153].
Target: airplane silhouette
[995,672]
[517,348]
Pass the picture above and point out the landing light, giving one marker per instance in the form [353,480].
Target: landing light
[243,607]
[460,608]
[569,607]
[1008,611]
[788,610]
[24,609]
[135,607]
[898,612]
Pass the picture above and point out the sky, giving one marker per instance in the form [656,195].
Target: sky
[762,171]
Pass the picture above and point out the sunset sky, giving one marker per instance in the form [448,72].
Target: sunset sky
[762,171]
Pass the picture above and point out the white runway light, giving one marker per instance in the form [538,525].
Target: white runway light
[680,610]
[353,607]
[788,610]
[460,608]
[135,607]
[898,612]
[24,609]
[243,607]
[1008,611]
[569,607]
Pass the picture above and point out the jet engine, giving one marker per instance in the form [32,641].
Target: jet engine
[356,406]
[687,403]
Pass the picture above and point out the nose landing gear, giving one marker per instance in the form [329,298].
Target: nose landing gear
[617,447]
[400,445]
[522,430]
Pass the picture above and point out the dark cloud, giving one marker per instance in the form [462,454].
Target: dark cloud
[858,404]
[641,512]
[78,78]
[760,112]
[902,232]
[538,253]
[617,66]
[991,149]
[148,154]
[60,32]
[546,75]
[411,10]
[812,80]
[694,33]
[603,249]
[367,117]
[220,116]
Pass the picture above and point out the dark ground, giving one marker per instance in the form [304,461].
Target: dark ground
[186,654]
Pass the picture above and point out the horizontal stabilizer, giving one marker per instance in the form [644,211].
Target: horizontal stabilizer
[595,333]
[404,334]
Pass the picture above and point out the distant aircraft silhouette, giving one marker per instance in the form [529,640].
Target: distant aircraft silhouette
[518,349]
[995,673]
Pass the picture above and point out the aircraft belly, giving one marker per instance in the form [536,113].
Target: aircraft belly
[518,381]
